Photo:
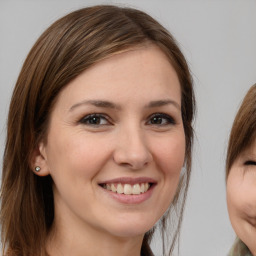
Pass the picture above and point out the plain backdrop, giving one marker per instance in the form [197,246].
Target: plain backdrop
[218,39]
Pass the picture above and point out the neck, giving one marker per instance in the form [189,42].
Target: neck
[63,241]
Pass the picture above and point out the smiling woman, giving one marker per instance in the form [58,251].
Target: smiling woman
[96,145]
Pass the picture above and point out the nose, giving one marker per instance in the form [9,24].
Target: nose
[132,150]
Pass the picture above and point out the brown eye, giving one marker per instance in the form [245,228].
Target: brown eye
[94,120]
[161,119]
[156,120]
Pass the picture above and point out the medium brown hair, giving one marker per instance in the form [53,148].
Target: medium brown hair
[243,132]
[67,48]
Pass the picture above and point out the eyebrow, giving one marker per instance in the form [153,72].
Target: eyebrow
[160,103]
[108,104]
[96,103]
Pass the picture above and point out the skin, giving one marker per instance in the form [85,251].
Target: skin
[127,141]
[241,197]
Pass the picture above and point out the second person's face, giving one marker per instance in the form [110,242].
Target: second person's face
[116,145]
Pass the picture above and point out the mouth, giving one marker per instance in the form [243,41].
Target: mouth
[127,188]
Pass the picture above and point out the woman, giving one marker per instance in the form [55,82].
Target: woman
[240,176]
[99,128]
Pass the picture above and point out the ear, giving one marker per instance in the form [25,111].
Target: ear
[39,159]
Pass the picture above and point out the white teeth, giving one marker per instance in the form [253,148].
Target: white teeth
[142,188]
[127,189]
[136,189]
[113,188]
[120,189]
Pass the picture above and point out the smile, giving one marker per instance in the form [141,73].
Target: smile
[127,189]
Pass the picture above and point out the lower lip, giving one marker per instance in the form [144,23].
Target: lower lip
[131,199]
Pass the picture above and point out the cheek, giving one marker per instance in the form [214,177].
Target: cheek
[75,154]
[171,154]
[235,198]
[241,198]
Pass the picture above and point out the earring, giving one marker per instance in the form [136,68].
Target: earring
[37,168]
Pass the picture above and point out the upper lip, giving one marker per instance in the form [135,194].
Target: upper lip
[129,180]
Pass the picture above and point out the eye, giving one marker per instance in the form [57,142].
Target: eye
[250,162]
[160,119]
[95,120]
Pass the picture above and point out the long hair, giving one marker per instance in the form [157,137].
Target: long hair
[67,48]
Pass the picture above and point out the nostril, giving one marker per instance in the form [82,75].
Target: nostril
[132,159]
[134,163]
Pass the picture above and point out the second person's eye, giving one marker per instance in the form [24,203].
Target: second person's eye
[250,162]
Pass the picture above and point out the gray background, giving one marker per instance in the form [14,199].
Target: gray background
[218,39]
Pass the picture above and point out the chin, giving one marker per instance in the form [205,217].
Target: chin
[132,227]
[128,233]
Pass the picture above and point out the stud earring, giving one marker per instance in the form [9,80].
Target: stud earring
[37,168]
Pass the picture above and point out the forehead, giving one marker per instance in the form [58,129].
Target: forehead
[154,55]
[145,68]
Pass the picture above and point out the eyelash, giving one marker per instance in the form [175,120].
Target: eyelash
[250,162]
[169,119]
[96,118]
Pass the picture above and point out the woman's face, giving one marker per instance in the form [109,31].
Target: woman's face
[241,197]
[116,145]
